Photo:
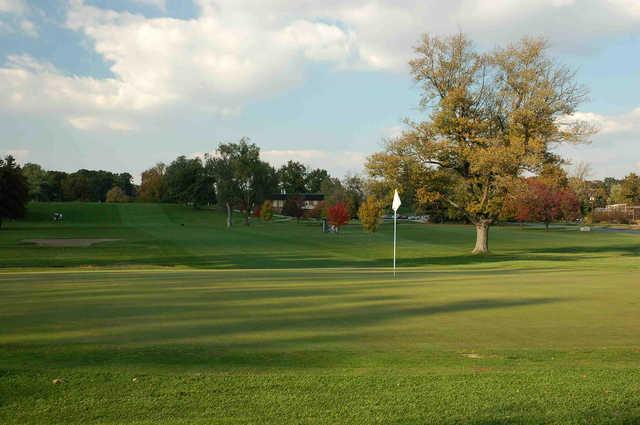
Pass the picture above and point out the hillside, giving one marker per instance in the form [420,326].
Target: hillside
[175,235]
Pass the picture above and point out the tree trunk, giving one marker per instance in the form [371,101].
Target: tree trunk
[229,221]
[482,237]
[546,226]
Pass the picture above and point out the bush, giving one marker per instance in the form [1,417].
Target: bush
[116,194]
[612,216]
[338,215]
[266,210]
[318,211]
[369,214]
[293,207]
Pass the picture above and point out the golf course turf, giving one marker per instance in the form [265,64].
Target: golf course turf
[182,321]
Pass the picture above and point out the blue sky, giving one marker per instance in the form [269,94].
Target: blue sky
[120,85]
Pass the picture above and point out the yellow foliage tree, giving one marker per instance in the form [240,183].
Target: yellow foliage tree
[369,214]
[116,194]
[491,118]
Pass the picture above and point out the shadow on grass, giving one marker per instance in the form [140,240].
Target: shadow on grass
[294,261]
[626,250]
[265,338]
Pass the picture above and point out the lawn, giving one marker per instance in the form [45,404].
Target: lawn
[182,321]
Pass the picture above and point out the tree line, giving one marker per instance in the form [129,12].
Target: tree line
[233,177]
[82,185]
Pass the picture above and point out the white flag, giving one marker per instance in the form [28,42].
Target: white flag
[396,201]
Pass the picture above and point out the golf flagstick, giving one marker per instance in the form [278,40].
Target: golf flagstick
[395,205]
[395,220]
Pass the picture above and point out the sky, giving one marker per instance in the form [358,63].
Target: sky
[122,84]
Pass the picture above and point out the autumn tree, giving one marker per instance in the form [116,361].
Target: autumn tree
[545,203]
[491,117]
[617,195]
[349,192]
[266,210]
[630,189]
[369,213]
[153,186]
[117,195]
[338,215]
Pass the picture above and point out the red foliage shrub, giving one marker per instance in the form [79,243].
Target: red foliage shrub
[338,215]
[544,203]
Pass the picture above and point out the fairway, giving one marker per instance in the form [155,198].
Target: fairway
[183,321]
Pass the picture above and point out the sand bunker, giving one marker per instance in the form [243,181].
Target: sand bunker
[67,242]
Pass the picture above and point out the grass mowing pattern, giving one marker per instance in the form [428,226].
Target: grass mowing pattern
[545,331]
[173,235]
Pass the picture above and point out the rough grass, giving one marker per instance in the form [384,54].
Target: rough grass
[279,323]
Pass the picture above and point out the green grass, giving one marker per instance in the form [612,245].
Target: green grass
[279,323]
[172,235]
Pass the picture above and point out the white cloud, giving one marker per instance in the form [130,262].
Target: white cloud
[239,51]
[631,7]
[13,21]
[17,7]
[217,61]
[613,150]
[214,63]
[29,85]
[28,28]
[613,124]
[338,163]
[93,123]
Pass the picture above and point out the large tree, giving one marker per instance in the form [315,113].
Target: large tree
[491,117]
[314,179]
[630,188]
[153,185]
[189,182]
[14,190]
[37,179]
[77,187]
[125,182]
[292,177]
[242,179]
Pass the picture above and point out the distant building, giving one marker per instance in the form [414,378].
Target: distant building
[310,200]
[632,212]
